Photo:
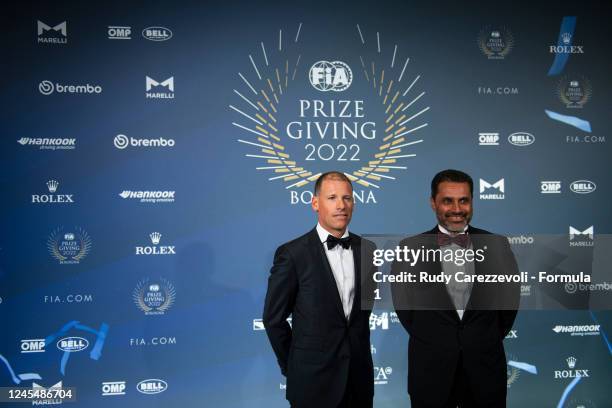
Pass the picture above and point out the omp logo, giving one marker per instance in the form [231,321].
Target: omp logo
[330,76]
[498,185]
[521,139]
[550,187]
[119,33]
[110,388]
[488,139]
[169,83]
[72,344]
[33,346]
[157,33]
[152,386]
[583,186]
[42,28]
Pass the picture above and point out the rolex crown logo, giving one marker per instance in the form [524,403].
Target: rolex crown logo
[155,237]
[566,38]
[571,362]
[52,186]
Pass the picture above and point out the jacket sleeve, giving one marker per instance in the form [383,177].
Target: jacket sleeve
[279,303]
[401,295]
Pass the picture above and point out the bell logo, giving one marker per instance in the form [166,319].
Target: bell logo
[330,76]
[521,139]
[152,386]
[583,187]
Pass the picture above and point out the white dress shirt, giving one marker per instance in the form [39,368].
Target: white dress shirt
[459,293]
[343,268]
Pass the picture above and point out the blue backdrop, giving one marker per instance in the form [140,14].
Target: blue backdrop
[207,106]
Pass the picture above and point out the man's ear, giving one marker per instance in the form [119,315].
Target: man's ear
[432,203]
[315,203]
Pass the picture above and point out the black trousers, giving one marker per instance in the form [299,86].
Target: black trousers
[461,395]
[350,399]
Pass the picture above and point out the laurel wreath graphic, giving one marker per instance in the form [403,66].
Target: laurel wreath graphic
[265,93]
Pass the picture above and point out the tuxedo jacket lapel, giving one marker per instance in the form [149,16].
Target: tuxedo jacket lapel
[316,247]
[356,248]
[449,312]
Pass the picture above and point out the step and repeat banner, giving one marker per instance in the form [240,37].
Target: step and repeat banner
[154,155]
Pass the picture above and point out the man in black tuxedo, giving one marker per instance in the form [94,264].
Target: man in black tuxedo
[325,353]
[456,330]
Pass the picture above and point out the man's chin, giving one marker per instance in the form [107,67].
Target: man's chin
[455,227]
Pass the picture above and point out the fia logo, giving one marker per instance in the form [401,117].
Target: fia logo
[330,76]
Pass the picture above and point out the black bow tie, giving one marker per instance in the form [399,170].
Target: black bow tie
[463,240]
[333,241]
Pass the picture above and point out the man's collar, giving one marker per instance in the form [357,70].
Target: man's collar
[323,233]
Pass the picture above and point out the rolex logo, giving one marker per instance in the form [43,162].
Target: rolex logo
[52,198]
[566,38]
[155,237]
[156,249]
[571,362]
[52,186]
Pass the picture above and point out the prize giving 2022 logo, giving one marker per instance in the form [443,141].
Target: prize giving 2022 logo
[354,103]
